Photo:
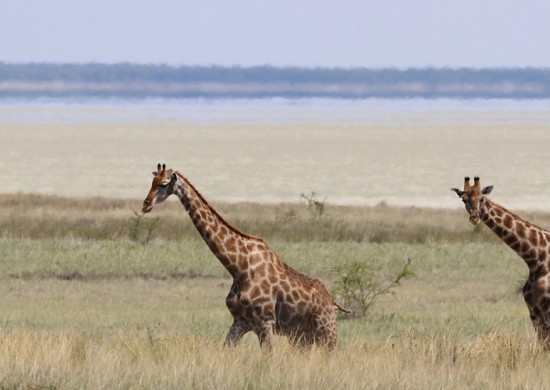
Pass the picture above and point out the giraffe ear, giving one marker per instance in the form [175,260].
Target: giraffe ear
[154,173]
[487,190]
[457,191]
[174,177]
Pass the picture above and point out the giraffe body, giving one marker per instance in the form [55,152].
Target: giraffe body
[529,241]
[266,296]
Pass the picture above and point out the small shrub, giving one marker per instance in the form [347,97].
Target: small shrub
[358,286]
[314,203]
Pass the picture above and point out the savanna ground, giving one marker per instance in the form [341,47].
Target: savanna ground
[93,295]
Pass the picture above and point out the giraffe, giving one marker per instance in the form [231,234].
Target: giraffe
[267,296]
[530,242]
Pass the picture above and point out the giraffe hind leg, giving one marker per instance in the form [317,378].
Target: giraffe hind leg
[325,333]
[302,340]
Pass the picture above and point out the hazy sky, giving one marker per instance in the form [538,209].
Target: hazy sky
[337,33]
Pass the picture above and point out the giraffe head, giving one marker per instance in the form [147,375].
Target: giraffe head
[162,187]
[473,197]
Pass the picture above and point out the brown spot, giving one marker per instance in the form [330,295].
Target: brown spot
[541,255]
[202,214]
[524,247]
[262,300]
[509,239]
[533,237]
[223,231]
[265,286]
[531,254]
[304,295]
[542,238]
[261,270]
[258,310]
[231,244]
[294,283]
[499,211]
[520,229]
[508,221]
[242,263]
[490,223]
[539,288]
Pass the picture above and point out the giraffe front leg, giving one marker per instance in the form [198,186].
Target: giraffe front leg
[543,333]
[236,332]
[265,334]
[542,321]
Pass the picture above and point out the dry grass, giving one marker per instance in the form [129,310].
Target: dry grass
[41,216]
[145,360]
[86,306]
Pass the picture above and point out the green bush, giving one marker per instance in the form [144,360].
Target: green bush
[358,286]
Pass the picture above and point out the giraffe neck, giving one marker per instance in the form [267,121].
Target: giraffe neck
[229,245]
[530,242]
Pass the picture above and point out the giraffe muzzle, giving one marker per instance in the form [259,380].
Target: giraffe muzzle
[475,219]
[147,206]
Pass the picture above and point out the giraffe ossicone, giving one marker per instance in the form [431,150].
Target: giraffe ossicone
[529,241]
[267,296]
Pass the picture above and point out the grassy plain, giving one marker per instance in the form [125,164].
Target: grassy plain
[95,296]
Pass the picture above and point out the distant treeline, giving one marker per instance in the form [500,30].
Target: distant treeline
[140,81]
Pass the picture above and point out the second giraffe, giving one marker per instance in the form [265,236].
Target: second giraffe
[530,242]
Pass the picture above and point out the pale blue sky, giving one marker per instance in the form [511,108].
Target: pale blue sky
[338,33]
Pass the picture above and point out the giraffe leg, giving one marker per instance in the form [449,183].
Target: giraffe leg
[542,327]
[324,330]
[543,335]
[535,314]
[265,334]
[303,341]
[236,332]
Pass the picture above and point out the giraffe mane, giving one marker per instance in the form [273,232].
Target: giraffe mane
[222,220]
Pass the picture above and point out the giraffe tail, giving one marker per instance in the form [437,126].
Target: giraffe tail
[342,309]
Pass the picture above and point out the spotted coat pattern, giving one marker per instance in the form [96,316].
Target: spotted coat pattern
[529,241]
[267,296]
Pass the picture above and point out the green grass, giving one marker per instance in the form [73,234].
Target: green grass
[87,302]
